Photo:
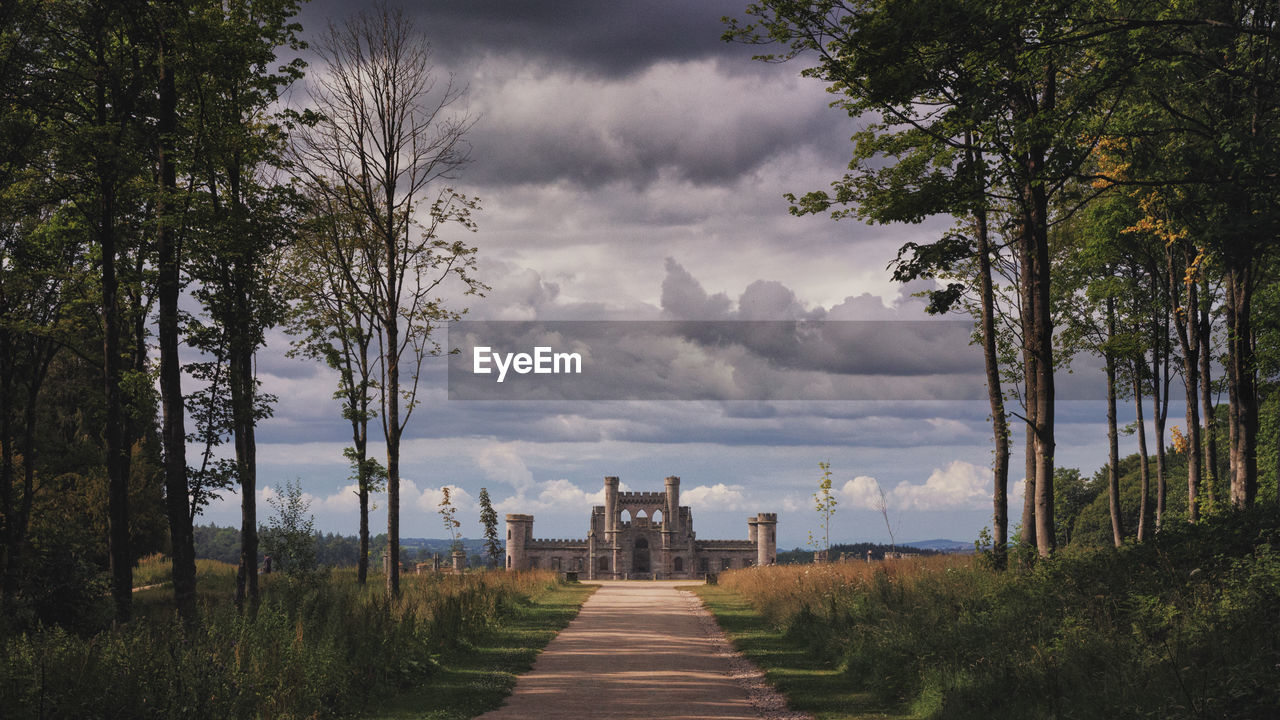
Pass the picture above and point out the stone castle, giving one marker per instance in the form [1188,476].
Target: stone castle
[641,535]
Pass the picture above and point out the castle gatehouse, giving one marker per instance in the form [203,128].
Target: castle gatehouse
[641,535]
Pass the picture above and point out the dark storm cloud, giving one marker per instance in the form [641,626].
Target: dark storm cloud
[591,93]
[714,360]
[611,39]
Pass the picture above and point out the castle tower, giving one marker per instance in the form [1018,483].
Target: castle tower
[519,533]
[766,525]
[671,514]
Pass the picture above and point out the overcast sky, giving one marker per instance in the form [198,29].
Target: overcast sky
[632,166]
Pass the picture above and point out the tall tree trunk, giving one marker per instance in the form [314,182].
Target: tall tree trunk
[242,403]
[1243,385]
[999,422]
[1189,341]
[392,419]
[117,460]
[362,566]
[174,433]
[1029,383]
[1113,443]
[1204,330]
[1040,343]
[1144,466]
[1160,405]
[1233,404]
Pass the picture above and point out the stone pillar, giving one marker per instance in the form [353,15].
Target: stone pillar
[611,524]
[519,530]
[610,507]
[766,526]
[459,558]
[591,554]
[671,515]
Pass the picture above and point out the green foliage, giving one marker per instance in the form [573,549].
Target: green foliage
[489,519]
[449,514]
[825,505]
[289,537]
[1184,626]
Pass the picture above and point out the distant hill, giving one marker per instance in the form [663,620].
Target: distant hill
[942,546]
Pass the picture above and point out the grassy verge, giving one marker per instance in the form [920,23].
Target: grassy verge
[317,647]
[812,683]
[477,678]
[1185,625]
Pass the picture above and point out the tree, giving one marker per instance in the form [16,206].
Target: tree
[449,514]
[825,504]
[489,519]
[290,537]
[1004,82]
[330,322]
[382,142]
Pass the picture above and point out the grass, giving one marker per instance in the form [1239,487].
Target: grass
[477,678]
[1185,625]
[811,682]
[317,647]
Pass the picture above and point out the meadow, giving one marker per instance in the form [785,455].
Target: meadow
[316,647]
[1185,626]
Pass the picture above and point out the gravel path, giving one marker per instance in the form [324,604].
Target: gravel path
[643,650]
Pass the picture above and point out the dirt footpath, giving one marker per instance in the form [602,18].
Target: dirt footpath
[642,650]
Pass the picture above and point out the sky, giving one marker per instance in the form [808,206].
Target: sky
[631,166]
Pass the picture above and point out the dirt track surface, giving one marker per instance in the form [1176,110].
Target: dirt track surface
[642,650]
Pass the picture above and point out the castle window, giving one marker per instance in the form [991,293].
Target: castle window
[533,563]
[704,565]
[603,564]
[747,562]
[679,564]
[555,563]
[726,563]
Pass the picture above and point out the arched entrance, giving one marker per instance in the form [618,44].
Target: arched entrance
[640,556]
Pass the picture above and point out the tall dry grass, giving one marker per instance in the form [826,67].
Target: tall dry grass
[1186,625]
[321,648]
[781,592]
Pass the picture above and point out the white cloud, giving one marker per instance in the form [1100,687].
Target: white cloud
[501,463]
[716,497]
[553,496]
[861,492]
[960,485]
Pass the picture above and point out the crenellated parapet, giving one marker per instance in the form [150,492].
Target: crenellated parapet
[556,543]
[642,498]
[725,545]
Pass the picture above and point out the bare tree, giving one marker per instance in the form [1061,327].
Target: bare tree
[386,141]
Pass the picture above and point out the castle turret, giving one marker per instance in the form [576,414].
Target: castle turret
[519,533]
[671,515]
[766,525]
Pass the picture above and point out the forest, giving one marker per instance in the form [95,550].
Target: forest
[1108,167]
